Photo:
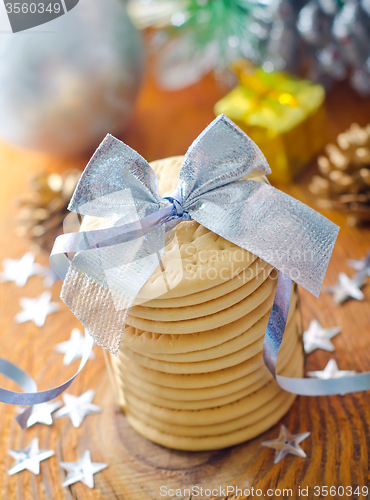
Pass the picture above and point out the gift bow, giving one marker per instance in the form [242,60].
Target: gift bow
[111,265]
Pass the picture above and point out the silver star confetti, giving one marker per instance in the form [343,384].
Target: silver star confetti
[331,371]
[362,267]
[29,458]
[82,471]
[346,288]
[18,270]
[41,414]
[37,309]
[287,443]
[73,348]
[317,337]
[78,407]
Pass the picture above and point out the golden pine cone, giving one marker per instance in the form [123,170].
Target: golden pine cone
[344,183]
[41,214]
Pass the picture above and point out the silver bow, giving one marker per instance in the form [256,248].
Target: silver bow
[109,266]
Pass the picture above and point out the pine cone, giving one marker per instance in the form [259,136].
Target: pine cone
[42,213]
[344,183]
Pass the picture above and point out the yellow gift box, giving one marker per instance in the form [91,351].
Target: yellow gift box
[283,115]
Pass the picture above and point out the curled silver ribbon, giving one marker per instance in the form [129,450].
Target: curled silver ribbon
[25,382]
[31,396]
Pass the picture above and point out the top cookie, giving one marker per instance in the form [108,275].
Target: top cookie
[195,259]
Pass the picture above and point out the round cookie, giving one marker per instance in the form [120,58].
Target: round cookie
[162,343]
[243,340]
[211,415]
[212,442]
[144,341]
[218,414]
[207,260]
[207,365]
[190,380]
[167,170]
[127,376]
[205,308]
[212,293]
[194,394]
[211,321]
[196,404]
[236,344]
[186,399]
[221,428]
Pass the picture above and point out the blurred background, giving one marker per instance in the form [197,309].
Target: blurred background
[294,74]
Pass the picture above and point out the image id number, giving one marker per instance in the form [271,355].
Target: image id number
[33,8]
[340,491]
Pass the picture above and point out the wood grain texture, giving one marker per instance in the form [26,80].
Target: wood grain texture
[338,450]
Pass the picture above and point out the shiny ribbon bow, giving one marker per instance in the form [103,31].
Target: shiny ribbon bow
[110,266]
[104,269]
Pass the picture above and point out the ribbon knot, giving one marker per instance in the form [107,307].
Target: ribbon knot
[178,206]
[177,200]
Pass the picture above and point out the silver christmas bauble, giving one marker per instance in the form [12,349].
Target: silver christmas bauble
[66,84]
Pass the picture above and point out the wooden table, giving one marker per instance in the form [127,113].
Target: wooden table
[338,449]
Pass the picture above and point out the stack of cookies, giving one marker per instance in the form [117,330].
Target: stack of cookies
[190,373]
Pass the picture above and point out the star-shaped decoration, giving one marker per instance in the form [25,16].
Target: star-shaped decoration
[362,267]
[317,337]
[46,272]
[78,407]
[73,348]
[345,289]
[287,443]
[18,270]
[36,310]
[29,458]
[331,371]
[82,471]
[41,414]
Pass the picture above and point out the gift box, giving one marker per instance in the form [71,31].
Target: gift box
[283,115]
[182,270]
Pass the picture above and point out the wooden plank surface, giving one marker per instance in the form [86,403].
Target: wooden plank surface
[338,450]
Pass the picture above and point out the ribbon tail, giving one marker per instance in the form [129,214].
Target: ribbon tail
[31,396]
[277,322]
[319,387]
[21,378]
[272,343]
[102,284]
